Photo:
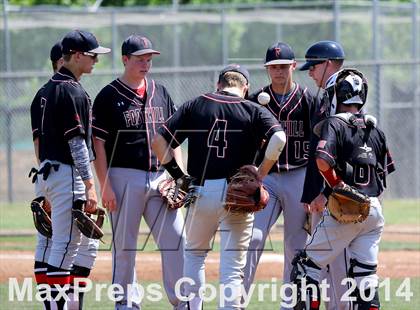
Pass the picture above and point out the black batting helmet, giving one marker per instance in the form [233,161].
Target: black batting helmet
[322,51]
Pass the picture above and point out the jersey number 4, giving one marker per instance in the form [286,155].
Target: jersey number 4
[217,137]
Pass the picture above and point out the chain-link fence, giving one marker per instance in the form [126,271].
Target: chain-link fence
[381,39]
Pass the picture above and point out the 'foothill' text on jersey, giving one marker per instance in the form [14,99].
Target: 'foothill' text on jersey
[60,111]
[224,133]
[358,153]
[294,114]
[127,123]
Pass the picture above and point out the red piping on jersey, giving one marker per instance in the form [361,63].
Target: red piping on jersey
[133,101]
[153,123]
[78,126]
[173,137]
[221,101]
[287,119]
[270,129]
[96,137]
[100,129]
[43,113]
[130,90]
[321,151]
[288,100]
[72,80]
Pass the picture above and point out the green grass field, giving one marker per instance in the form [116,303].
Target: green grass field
[17,218]
[391,298]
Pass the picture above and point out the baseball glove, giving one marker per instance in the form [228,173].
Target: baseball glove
[245,191]
[177,193]
[41,213]
[89,227]
[347,205]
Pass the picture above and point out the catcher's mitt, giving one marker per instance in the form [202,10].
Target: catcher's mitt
[347,205]
[88,227]
[177,193]
[41,213]
[245,192]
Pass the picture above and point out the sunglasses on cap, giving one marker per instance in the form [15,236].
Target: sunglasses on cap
[91,55]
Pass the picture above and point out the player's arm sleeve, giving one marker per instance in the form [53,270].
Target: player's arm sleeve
[80,154]
[100,115]
[327,145]
[71,114]
[174,131]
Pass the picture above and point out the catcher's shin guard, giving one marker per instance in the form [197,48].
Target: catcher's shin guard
[308,290]
[360,270]
[365,303]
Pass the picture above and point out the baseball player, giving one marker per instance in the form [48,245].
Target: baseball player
[61,126]
[351,151]
[86,255]
[293,106]
[126,114]
[323,60]
[224,132]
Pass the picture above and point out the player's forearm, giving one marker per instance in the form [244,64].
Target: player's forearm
[80,155]
[328,172]
[177,153]
[100,163]
[164,153]
[274,148]
[162,149]
[265,166]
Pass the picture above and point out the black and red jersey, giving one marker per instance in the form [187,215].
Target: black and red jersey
[359,153]
[60,111]
[224,132]
[127,123]
[295,116]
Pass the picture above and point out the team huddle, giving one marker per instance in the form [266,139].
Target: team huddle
[278,150]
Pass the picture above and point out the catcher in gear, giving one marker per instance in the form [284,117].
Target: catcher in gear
[353,157]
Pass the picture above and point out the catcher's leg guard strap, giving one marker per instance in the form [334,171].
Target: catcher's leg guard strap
[308,290]
[358,269]
[365,303]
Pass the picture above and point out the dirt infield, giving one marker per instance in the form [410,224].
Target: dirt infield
[393,264]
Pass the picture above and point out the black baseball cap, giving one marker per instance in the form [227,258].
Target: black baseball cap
[235,68]
[56,52]
[137,45]
[82,41]
[279,54]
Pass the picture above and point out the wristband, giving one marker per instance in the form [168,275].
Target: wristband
[173,169]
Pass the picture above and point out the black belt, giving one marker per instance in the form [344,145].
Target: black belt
[45,171]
